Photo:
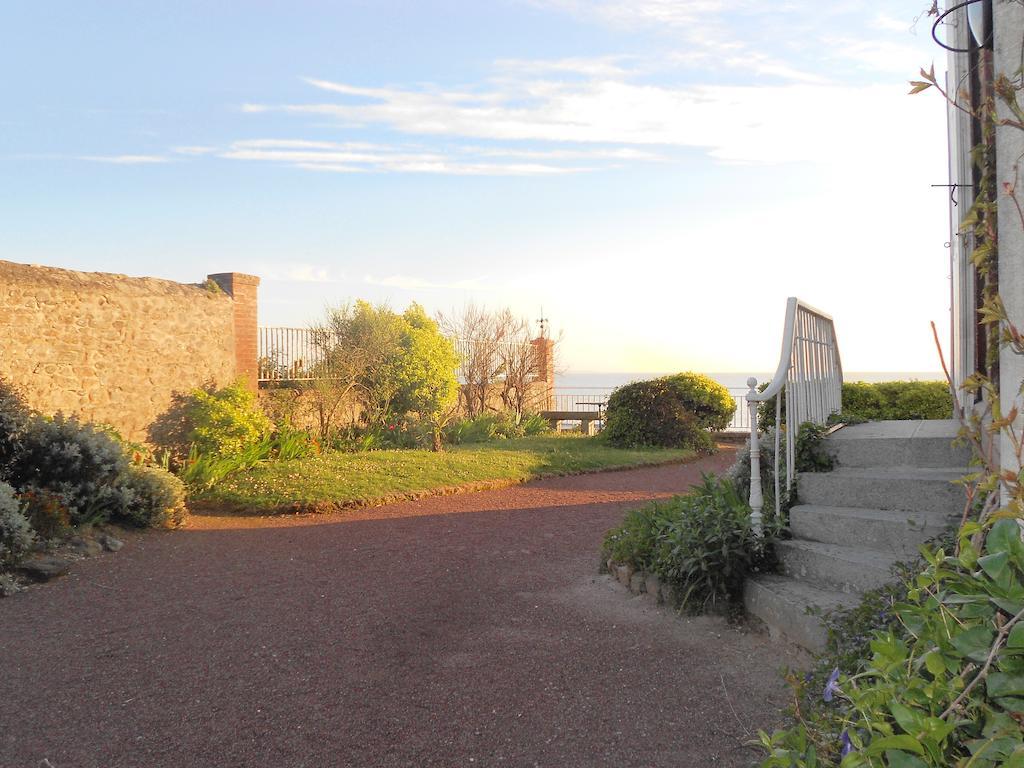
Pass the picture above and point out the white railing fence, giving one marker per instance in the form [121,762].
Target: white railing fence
[810,377]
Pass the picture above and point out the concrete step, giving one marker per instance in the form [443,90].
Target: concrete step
[893,531]
[928,490]
[835,568]
[782,604]
[898,444]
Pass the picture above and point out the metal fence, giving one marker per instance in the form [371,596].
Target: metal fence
[291,354]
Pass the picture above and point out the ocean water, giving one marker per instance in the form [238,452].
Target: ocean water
[593,383]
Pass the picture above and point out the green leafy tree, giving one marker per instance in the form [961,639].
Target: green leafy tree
[394,364]
[422,372]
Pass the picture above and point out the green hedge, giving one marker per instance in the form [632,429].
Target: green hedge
[899,400]
[670,412]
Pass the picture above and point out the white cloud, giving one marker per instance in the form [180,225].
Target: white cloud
[126,159]
[898,58]
[887,23]
[193,150]
[598,66]
[298,272]
[684,14]
[764,124]
[358,157]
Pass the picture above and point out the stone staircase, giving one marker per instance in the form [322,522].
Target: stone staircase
[891,490]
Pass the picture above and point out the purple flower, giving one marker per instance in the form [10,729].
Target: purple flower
[847,745]
[830,687]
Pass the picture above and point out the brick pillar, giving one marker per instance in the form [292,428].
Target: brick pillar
[544,349]
[243,290]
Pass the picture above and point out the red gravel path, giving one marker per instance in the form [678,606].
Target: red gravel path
[453,631]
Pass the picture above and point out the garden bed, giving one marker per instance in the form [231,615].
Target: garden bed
[337,480]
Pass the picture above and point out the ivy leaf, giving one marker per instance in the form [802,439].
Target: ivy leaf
[1016,637]
[1005,537]
[975,643]
[1001,684]
[995,564]
[907,719]
[918,86]
[899,759]
[1012,607]
[902,741]
[933,663]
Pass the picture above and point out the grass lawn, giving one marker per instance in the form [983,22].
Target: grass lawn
[337,479]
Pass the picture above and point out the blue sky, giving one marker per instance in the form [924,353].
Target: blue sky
[657,175]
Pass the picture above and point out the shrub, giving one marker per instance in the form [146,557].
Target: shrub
[671,412]
[8,585]
[227,421]
[291,444]
[16,535]
[203,470]
[701,543]
[739,473]
[495,426]
[47,511]
[77,461]
[900,400]
[535,424]
[14,420]
[810,456]
[157,498]
[478,429]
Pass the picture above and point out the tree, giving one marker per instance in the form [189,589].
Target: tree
[424,372]
[392,364]
[477,334]
[522,363]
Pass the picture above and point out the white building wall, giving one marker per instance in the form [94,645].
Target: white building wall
[961,198]
[1009,38]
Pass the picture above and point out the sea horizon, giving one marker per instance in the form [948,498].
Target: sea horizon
[584,381]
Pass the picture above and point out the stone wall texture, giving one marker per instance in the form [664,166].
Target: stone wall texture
[110,348]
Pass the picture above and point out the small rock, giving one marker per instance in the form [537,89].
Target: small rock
[669,596]
[109,543]
[623,574]
[84,546]
[44,567]
[636,583]
[653,587]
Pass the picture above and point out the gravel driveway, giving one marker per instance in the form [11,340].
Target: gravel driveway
[464,630]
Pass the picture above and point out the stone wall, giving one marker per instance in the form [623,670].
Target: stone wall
[117,349]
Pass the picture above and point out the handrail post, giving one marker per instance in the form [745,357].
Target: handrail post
[756,497]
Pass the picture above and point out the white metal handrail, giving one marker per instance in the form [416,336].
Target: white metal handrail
[810,376]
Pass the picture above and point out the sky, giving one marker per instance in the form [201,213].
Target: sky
[654,176]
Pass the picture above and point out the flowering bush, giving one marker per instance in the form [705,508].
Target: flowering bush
[16,535]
